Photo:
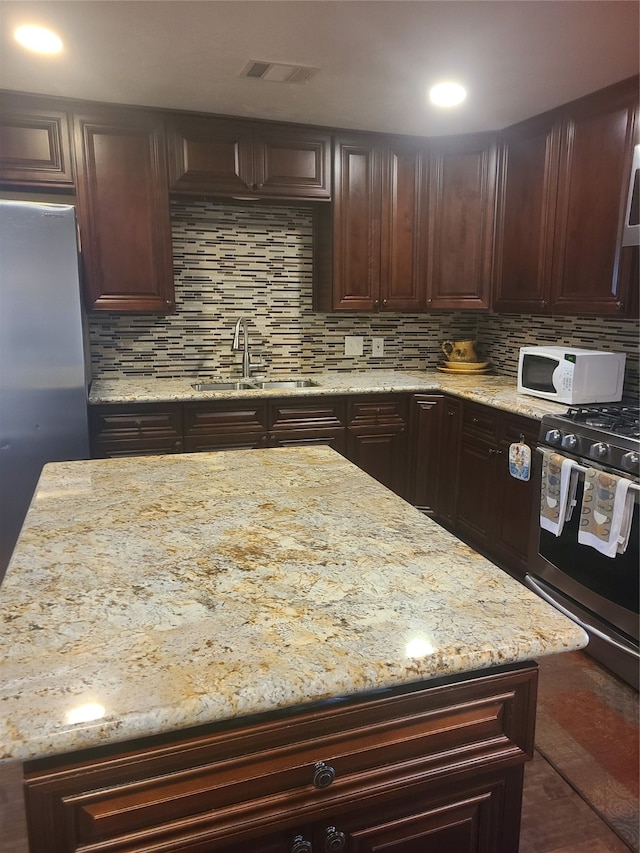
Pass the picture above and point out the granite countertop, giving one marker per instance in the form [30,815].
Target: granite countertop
[151,594]
[489,389]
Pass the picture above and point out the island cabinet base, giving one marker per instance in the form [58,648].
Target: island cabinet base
[434,767]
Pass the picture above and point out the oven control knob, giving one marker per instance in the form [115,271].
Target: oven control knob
[599,449]
[570,441]
[630,461]
[554,436]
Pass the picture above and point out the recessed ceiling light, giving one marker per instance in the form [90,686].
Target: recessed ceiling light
[447,94]
[38,39]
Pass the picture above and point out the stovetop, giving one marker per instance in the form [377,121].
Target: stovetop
[607,434]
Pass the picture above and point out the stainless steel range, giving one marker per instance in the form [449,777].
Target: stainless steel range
[598,591]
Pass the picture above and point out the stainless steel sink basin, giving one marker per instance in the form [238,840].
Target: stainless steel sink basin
[223,386]
[265,384]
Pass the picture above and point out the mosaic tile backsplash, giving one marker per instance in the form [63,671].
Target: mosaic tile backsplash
[241,260]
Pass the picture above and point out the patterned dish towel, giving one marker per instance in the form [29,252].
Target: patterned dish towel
[607,511]
[558,491]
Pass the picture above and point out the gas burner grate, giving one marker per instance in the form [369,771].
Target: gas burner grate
[622,419]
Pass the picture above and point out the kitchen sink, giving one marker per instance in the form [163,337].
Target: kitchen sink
[224,386]
[285,383]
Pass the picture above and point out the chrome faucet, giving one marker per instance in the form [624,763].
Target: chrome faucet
[241,323]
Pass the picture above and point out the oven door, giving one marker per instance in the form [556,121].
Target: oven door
[598,592]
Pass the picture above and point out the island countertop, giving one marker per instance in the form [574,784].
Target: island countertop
[152,594]
[488,389]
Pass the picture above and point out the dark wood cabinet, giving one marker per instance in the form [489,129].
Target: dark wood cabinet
[595,164]
[135,430]
[492,508]
[123,210]
[528,189]
[564,178]
[435,766]
[371,245]
[226,157]
[426,415]
[377,438]
[35,144]
[462,184]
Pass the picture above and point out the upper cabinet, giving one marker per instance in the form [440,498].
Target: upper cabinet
[371,245]
[123,210]
[35,144]
[564,178]
[462,186]
[226,157]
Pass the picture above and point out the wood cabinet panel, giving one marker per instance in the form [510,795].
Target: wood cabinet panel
[595,164]
[123,211]
[377,438]
[126,430]
[425,451]
[409,759]
[529,161]
[449,460]
[223,157]
[35,144]
[370,250]
[462,179]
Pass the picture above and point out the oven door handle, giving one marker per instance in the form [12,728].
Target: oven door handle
[531,583]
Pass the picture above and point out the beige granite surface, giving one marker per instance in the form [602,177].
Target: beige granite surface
[149,594]
[492,390]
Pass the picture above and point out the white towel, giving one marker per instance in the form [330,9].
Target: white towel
[607,512]
[558,491]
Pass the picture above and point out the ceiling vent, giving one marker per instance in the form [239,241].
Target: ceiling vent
[277,72]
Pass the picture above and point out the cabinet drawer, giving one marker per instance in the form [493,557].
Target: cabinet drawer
[213,786]
[375,410]
[319,414]
[228,417]
[480,420]
[136,447]
[513,428]
[154,420]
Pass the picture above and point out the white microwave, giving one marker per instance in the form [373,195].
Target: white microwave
[572,376]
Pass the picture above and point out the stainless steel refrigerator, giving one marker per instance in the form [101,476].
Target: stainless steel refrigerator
[44,357]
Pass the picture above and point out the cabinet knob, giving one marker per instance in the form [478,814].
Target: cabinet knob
[138,422]
[385,301]
[619,306]
[323,775]
[334,840]
[178,445]
[301,845]
[475,420]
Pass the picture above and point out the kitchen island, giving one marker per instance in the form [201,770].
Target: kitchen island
[205,650]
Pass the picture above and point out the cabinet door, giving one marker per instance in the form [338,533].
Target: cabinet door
[475,506]
[526,216]
[123,211]
[377,439]
[479,817]
[35,144]
[513,498]
[356,225]
[292,163]
[210,155]
[425,454]
[595,165]
[404,243]
[462,178]
[449,461]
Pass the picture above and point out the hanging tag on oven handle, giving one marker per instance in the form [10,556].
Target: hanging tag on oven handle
[520,460]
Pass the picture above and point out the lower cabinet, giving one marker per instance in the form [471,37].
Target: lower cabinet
[434,767]
[135,430]
[492,509]
[377,438]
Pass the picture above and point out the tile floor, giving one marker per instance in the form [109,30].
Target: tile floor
[581,789]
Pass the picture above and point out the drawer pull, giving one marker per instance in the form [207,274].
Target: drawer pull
[300,845]
[323,775]
[334,840]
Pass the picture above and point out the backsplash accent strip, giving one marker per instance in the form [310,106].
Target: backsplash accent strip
[256,261]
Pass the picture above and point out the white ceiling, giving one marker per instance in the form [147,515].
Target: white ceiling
[375,57]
